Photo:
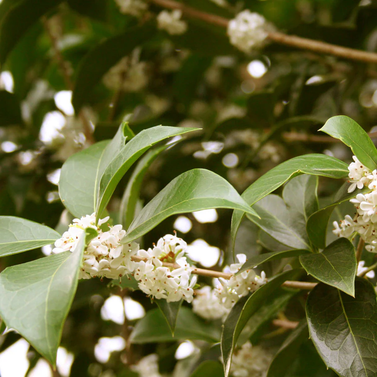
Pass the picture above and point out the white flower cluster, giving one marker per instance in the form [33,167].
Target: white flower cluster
[171,22]
[161,282]
[207,305]
[128,75]
[247,31]
[105,256]
[251,361]
[133,7]
[147,366]
[365,220]
[239,285]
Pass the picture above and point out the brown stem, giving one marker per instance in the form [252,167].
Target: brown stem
[285,324]
[224,275]
[290,40]
[360,247]
[65,71]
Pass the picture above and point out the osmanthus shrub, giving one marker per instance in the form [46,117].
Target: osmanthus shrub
[341,309]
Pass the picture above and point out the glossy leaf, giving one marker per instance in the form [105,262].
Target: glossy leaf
[335,266]
[131,194]
[119,157]
[194,190]
[170,311]
[153,328]
[18,20]
[208,368]
[274,255]
[344,329]
[288,351]
[35,298]
[312,164]
[350,133]
[105,55]
[281,224]
[243,310]
[276,302]
[18,235]
[318,222]
[78,184]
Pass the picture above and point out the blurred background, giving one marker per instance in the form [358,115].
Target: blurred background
[72,71]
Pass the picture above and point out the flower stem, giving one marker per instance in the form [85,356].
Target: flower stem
[278,37]
[360,247]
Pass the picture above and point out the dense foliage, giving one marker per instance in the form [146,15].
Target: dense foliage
[121,120]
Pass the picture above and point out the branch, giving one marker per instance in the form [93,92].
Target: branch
[285,323]
[360,248]
[290,40]
[218,274]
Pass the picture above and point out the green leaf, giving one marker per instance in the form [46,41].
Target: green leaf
[78,184]
[344,329]
[153,328]
[170,311]
[335,266]
[18,20]
[194,190]
[18,235]
[274,255]
[10,110]
[276,302]
[318,222]
[288,351]
[126,282]
[124,155]
[243,310]
[350,133]
[35,298]
[281,224]
[312,164]
[131,194]
[208,368]
[104,56]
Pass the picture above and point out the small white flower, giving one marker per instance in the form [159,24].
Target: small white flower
[251,360]
[207,305]
[358,174]
[147,366]
[133,7]
[361,269]
[247,31]
[171,22]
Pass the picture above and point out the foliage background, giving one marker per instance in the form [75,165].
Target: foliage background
[196,79]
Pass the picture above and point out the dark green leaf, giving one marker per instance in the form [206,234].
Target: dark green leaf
[18,235]
[288,351]
[18,20]
[153,328]
[131,194]
[118,157]
[104,56]
[209,368]
[10,110]
[336,265]
[265,257]
[281,224]
[170,311]
[350,133]
[194,190]
[35,298]
[344,329]
[243,310]
[312,164]
[78,184]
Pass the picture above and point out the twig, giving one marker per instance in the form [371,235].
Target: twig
[224,275]
[290,40]
[65,70]
[284,323]
[360,247]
